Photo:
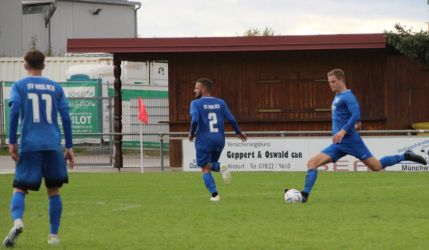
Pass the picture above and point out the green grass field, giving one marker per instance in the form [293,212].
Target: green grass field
[172,211]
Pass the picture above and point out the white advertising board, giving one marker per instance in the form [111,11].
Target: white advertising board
[292,154]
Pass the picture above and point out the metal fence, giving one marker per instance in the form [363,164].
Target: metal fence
[94,144]
[93,127]
[101,154]
[159,157]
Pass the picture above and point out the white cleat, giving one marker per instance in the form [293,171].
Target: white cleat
[215,199]
[226,175]
[13,234]
[53,240]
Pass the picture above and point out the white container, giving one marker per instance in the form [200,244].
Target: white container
[60,69]
[158,74]
[12,68]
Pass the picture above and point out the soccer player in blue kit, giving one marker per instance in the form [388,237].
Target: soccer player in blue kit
[346,140]
[207,125]
[38,100]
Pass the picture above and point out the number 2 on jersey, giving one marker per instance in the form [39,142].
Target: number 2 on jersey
[213,122]
[35,101]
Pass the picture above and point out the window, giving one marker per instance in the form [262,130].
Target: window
[28,9]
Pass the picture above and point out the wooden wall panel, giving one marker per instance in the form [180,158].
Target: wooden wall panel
[408,88]
[274,91]
[286,86]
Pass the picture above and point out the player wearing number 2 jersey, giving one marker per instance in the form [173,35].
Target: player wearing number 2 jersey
[38,101]
[208,114]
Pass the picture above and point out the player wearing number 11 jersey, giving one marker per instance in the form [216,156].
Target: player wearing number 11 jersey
[38,101]
[207,125]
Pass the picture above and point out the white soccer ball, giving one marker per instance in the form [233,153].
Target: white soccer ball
[293,196]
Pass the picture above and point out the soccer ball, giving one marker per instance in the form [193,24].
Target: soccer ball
[293,196]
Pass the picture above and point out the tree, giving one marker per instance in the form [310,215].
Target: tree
[412,44]
[257,32]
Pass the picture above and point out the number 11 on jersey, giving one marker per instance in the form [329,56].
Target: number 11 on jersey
[35,101]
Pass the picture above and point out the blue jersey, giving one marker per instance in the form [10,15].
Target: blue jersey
[208,115]
[39,100]
[345,114]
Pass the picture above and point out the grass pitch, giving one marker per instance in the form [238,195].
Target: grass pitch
[172,211]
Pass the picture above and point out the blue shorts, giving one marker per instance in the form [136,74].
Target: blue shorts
[32,166]
[356,148]
[204,158]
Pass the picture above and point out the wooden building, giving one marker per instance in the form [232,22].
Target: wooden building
[279,82]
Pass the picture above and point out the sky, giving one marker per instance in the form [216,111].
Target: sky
[202,18]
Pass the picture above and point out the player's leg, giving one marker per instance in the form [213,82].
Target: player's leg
[226,174]
[210,184]
[215,166]
[312,165]
[330,154]
[55,210]
[387,161]
[28,176]
[360,151]
[203,160]
[55,174]
[17,206]
[214,161]
[373,163]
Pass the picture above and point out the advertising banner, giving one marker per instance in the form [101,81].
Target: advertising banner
[292,154]
[84,106]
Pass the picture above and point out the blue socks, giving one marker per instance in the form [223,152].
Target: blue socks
[311,176]
[215,166]
[55,210]
[17,205]
[310,179]
[391,160]
[209,182]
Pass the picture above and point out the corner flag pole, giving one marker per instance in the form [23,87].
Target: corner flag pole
[141,148]
[144,118]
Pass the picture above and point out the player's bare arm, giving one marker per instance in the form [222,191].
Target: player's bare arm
[13,151]
[358,125]
[191,137]
[242,137]
[70,157]
[339,136]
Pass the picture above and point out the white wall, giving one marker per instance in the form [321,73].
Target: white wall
[70,20]
[10,28]
[33,27]
[75,20]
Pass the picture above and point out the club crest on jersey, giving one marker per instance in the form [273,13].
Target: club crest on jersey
[212,106]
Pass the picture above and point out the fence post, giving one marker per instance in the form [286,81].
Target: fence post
[110,128]
[2,115]
[161,150]
[119,158]
[100,111]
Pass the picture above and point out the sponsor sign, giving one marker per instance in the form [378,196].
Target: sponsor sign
[292,154]
[84,106]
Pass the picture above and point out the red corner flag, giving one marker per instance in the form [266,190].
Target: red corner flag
[142,116]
